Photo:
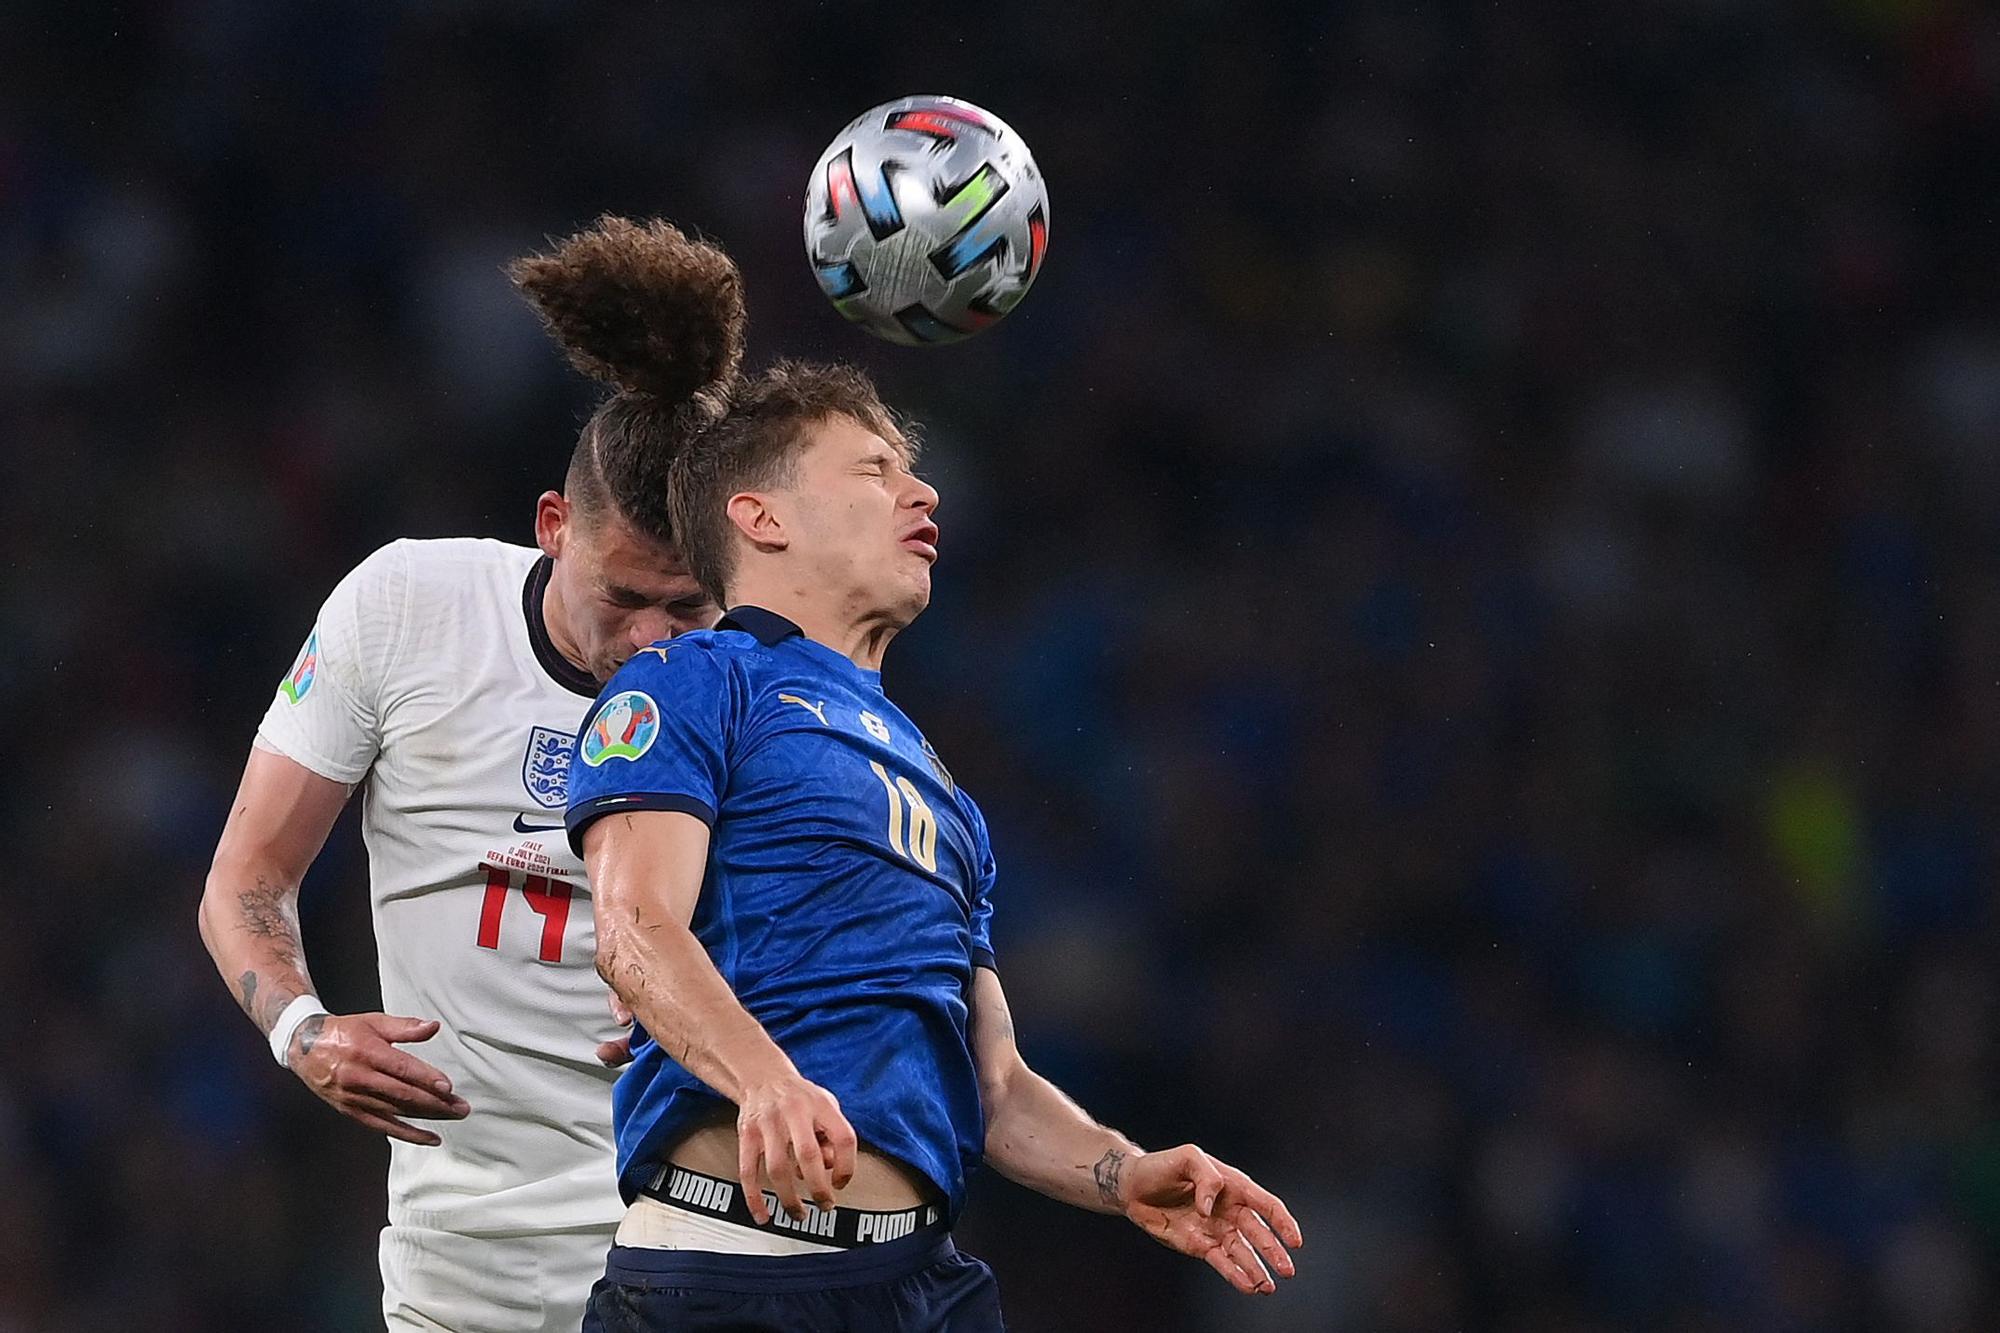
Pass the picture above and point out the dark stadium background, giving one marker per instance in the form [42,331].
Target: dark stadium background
[1469,597]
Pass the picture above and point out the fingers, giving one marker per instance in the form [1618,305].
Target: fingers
[842,1147]
[1258,1232]
[1222,1259]
[372,1113]
[784,1172]
[392,1028]
[1244,1190]
[1246,1261]
[372,1050]
[620,1015]
[750,1169]
[405,1068]
[1208,1182]
[809,1157]
[396,1129]
[615,1054]
[399,1064]
[407,1098]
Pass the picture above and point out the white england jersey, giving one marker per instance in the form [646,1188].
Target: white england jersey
[430,675]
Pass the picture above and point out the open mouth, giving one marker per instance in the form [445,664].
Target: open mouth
[923,540]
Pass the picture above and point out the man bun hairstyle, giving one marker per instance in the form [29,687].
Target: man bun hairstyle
[658,316]
[755,445]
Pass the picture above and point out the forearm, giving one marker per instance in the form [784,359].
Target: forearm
[249,921]
[666,979]
[1038,1137]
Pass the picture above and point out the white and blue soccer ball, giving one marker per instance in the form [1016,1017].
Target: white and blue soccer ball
[926,220]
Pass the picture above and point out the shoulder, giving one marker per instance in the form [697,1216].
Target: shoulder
[698,654]
[411,566]
[708,674]
[445,566]
[677,667]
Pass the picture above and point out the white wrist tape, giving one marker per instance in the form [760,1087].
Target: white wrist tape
[287,1026]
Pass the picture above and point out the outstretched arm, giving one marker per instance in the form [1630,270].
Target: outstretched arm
[1183,1198]
[249,920]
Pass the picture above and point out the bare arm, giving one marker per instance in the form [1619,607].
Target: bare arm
[646,870]
[249,920]
[1183,1198]
[249,909]
[1035,1135]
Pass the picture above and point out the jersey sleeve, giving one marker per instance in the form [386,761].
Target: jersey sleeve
[656,739]
[982,898]
[326,714]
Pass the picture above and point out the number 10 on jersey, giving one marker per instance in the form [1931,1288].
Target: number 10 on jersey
[922,846]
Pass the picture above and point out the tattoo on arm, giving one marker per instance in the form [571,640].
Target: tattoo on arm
[309,1033]
[265,913]
[263,1008]
[1106,1173]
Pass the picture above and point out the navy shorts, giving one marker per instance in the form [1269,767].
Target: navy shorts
[920,1284]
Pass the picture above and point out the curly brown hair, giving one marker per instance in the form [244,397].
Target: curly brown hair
[755,443]
[660,317]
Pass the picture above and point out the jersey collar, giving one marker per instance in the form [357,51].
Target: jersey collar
[559,668]
[766,627]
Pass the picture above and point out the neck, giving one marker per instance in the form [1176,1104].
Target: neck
[861,636]
[555,617]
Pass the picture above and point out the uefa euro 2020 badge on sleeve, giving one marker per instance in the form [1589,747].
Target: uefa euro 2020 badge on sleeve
[624,728]
[295,686]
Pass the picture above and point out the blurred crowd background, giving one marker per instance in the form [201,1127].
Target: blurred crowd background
[1470,599]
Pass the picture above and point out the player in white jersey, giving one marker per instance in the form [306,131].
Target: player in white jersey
[448,677]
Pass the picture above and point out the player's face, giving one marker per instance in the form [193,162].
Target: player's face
[864,521]
[619,590]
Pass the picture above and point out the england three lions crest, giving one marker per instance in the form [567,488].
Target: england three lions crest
[545,768]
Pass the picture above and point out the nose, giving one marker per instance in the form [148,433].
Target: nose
[647,627]
[922,495]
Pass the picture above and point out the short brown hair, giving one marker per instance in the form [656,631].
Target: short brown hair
[660,317]
[756,443]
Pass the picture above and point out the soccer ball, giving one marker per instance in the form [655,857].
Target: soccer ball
[926,220]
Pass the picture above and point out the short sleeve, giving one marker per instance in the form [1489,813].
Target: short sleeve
[326,714]
[982,898]
[656,739]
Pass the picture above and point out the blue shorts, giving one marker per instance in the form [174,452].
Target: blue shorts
[920,1284]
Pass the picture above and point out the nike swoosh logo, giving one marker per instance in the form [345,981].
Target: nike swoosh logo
[523,826]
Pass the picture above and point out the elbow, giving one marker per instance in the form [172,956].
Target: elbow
[206,914]
[996,1084]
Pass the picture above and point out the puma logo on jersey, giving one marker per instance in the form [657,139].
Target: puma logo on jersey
[818,710]
[655,650]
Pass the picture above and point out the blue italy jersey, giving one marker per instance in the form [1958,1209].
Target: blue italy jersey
[847,895]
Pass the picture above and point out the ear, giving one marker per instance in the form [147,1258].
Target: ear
[757,520]
[553,516]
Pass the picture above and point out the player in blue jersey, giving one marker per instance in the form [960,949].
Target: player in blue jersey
[794,896]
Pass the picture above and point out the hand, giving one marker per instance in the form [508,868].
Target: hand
[351,1063]
[618,1051]
[1188,1201]
[794,1129]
